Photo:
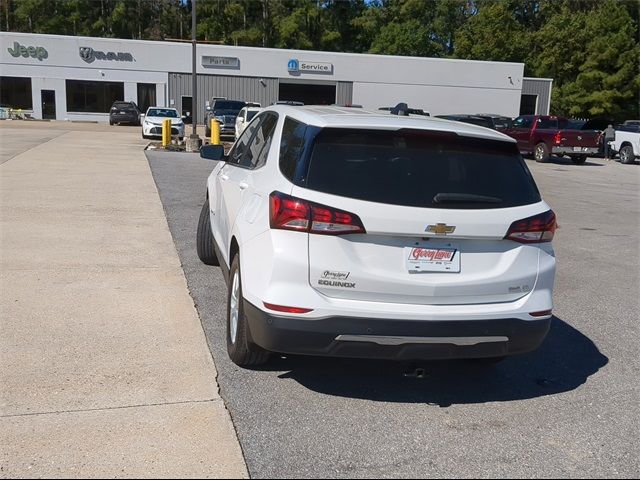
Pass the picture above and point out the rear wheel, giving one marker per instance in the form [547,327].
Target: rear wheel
[204,238]
[626,155]
[110,122]
[541,153]
[579,159]
[241,351]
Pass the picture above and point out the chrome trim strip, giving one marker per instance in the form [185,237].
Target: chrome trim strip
[395,341]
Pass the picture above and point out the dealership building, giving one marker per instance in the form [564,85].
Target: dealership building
[78,78]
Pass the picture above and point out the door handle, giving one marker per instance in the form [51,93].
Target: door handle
[243,185]
[224,176]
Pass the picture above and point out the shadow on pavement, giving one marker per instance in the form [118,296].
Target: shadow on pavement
[565,361]
[568,162]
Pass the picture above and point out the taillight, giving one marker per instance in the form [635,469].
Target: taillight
[282,308]
[537,229]
[557,139]
[290,213]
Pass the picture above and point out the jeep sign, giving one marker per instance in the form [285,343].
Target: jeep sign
[34,52]
[90,55]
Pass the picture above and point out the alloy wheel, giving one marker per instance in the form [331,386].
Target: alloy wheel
[234,309]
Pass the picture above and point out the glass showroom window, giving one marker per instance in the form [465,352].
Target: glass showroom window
[15,92]
[93,97]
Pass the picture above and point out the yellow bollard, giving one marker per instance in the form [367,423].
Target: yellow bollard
[166,132]
[215,132]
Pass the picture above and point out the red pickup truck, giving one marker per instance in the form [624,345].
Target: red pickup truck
[543,135]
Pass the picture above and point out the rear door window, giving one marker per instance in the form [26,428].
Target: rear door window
[256,153]
[240,147]
[420,169]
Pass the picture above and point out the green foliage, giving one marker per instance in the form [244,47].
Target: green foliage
[589,47]
[493,33]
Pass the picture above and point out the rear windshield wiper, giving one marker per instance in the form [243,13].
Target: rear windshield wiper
[464,198]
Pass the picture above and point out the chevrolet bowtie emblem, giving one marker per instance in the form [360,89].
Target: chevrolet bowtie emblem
[440,229]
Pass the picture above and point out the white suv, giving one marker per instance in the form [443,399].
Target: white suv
[344,232]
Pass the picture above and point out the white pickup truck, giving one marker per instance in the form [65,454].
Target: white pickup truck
[627,144]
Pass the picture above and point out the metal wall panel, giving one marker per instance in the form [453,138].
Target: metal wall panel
[249,89]
[542,88]
[344,93]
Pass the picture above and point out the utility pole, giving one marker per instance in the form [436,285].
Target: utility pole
[193,144]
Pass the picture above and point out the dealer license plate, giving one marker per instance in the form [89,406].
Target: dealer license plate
[432,259]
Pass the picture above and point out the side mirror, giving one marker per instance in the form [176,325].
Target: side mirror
[212,152]
[142,115]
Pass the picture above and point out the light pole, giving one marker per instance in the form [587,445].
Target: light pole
[194,141]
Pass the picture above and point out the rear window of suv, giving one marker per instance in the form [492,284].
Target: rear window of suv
[420,169]
[228,105]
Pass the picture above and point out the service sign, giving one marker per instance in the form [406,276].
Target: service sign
[296,66]
[220,62]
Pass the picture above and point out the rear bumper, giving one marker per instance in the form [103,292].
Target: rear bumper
[571,151]
[129,118]
[340,336]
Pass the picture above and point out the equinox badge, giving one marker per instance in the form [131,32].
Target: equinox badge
[440,229]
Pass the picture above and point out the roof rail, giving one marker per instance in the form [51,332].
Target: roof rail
[401,109]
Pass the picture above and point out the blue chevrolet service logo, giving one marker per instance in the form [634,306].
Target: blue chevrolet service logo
[293,65]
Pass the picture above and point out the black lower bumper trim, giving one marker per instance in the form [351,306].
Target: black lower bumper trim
[318,337]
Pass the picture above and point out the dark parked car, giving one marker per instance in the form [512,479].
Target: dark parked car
[498,122]
[124,112]
[472,119]
[225,113]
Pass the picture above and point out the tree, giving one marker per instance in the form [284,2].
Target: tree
[608,81]
[493,33]
[592,55]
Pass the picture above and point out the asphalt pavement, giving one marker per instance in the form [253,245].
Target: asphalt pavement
[570,409]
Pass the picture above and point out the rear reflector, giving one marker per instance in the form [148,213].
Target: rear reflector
[542,313]
[282,308]
[291,213]
[537,229]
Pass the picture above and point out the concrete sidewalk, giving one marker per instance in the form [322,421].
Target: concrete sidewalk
[104,368]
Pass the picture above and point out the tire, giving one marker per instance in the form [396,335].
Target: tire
[579,159]
[241,351]
[111,122]
[541,153]
[204,238]
[626,155]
